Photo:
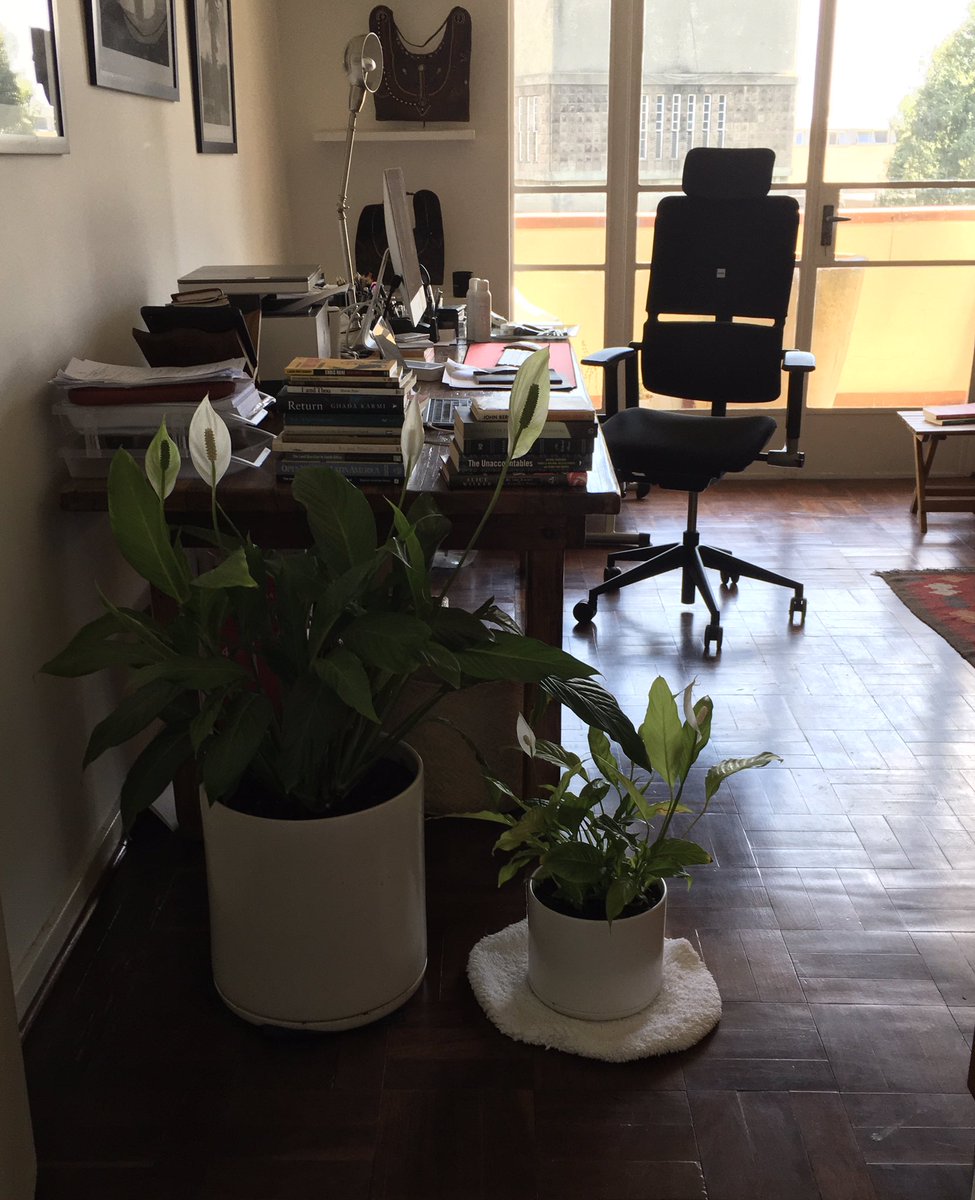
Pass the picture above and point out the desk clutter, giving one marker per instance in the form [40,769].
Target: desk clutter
[104,407]
[343,413]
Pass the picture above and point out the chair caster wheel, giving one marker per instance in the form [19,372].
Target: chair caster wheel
[798,605]
[642,491]
[713,633]
[729,580]
[584,612]
[611,573]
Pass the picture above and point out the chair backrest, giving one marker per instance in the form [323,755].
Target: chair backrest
[724,251]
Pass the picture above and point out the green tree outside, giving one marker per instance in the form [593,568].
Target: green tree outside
[936,129]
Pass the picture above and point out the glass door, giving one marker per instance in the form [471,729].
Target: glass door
[889,309]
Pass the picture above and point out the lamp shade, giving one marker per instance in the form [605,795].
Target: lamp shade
[363,62]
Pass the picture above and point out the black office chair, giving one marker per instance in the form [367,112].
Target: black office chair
[720,279]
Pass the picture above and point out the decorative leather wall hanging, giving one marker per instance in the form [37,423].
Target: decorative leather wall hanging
[424,85]
[371,240]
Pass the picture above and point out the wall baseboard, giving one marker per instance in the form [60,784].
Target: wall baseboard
[39,967]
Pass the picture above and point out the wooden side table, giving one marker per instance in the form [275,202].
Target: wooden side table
[941,495]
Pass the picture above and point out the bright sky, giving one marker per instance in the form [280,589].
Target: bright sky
[880,54]
[18,16]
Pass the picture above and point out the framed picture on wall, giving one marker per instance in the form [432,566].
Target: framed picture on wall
[132,46]
[212,64]
[31,108]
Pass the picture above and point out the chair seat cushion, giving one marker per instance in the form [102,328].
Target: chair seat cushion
[681,450]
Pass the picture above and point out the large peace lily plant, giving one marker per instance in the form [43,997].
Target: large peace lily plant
[289,672]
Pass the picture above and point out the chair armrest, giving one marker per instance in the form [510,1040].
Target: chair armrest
[609,359]
[797,364]
[798,360]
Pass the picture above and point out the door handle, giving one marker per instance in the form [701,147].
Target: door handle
[829,220]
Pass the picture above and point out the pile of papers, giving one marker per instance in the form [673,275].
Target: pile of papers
[115,396]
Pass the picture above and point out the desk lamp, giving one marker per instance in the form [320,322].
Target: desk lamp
[363,62]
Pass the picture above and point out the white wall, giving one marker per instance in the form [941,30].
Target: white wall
[86,239]
[470,177]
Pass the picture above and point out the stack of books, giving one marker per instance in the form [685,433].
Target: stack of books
[343,413]
[561,457]
[950,414]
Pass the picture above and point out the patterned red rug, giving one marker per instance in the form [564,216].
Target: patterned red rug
[945,600]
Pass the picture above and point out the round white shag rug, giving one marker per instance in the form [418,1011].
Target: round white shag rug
[687,1007]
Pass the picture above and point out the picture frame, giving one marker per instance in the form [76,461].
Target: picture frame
[212,66]
[132,46]
[31,101]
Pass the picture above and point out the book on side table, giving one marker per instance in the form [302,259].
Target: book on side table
[950,414]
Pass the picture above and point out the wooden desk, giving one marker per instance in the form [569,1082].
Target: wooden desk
[941,495]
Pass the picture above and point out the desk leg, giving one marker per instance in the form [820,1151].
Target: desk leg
[922,469]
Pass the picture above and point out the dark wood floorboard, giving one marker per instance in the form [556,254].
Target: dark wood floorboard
[838,920]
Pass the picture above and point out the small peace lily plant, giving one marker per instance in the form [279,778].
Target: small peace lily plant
[284,675]
[601,838]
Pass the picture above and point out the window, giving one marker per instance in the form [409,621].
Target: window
[658,147]
[675,125]
[527,131]
[644,122]
[853,130]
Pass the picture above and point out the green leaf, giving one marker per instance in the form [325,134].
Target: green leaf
[429,524]
[574,862]
[313,716]
[390,641]
[511,869]
[672,855]
[201,725]
[443,663]
[411,555]
[346,675]
[341,521]
[524,830]
[521,659]
[602,754]
[597,707]
[529,403]
[232,572]
[140,528]
[130,717]
[486,814]
[457,628]
[619,894]
[235,742]
[662,732]
[95,647]
[201,673]
[152,771]
[731,766]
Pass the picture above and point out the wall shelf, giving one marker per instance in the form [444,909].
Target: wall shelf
[465,134]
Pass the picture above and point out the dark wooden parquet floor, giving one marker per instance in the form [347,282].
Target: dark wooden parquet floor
[838,920]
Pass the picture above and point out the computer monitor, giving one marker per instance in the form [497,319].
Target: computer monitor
[402,245]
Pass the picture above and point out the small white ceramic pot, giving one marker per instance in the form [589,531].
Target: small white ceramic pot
[318,924]
[591,969]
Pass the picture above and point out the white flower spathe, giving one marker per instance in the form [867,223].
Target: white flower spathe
[209,442]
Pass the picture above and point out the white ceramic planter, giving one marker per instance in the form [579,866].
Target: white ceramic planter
[318,924]
[591,969]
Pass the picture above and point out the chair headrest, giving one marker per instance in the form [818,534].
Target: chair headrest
[724,174]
